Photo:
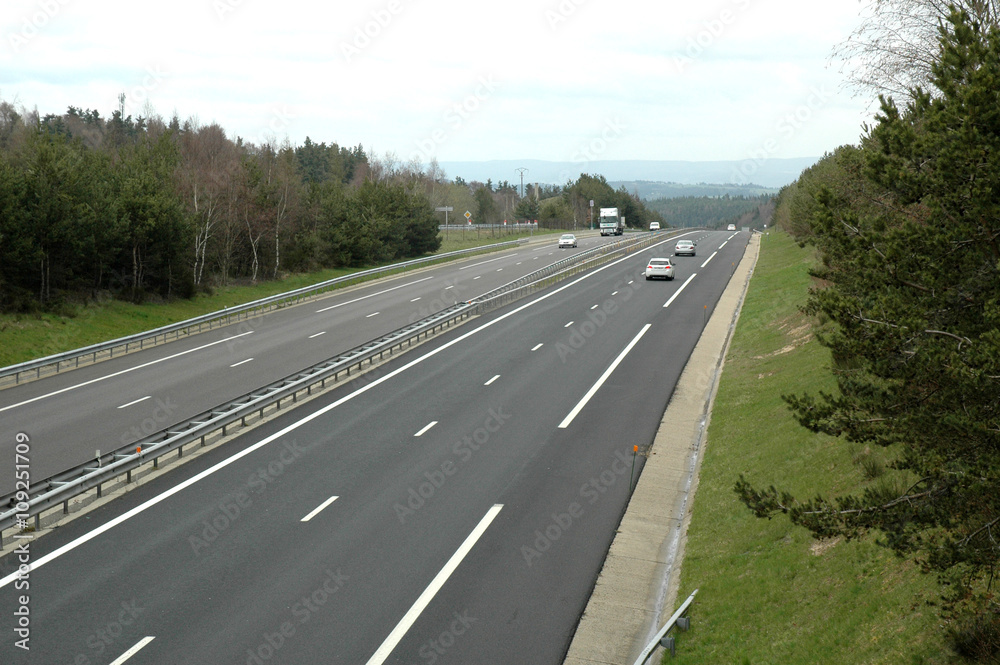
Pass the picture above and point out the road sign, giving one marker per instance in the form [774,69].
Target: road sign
[445,209]
[468,215]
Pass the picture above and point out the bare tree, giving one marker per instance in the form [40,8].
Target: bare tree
[892,51]
[209,163]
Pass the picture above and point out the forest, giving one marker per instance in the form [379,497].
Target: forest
[691,211]
[138,208]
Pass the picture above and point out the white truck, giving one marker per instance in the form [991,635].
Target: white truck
[611,223]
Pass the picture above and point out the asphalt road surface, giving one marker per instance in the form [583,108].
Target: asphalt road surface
[71,415]
[453,506]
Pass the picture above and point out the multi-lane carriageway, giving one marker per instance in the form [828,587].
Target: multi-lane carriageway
[452,506]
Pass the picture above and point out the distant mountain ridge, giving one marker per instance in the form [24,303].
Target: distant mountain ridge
[769,173]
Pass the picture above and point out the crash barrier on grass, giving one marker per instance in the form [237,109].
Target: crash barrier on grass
[663,638]
[18,508]
[33,369]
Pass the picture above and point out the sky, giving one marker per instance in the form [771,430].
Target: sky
[558,80]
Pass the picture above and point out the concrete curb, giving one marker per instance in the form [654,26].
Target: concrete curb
[637,587]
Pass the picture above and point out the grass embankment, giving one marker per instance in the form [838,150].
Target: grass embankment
[768,591]
[25,337]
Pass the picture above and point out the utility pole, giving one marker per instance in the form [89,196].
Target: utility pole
[522,171]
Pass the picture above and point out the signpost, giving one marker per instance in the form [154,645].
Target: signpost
[445,210]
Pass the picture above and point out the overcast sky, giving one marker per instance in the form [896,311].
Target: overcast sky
[455,79]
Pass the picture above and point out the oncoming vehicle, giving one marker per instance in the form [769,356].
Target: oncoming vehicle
[654,226]
[684,247]
[567,240]
[659,268]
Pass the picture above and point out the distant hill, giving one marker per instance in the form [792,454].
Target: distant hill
[770,173]
[672,190]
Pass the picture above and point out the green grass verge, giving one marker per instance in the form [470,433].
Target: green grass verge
[25,337]
[769,592]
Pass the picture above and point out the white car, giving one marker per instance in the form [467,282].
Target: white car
[684,247]
[731,227]
[567,240]
[659,268]
[654,226]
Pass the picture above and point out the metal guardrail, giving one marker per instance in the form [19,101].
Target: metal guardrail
[662,639]
[20,506]
[71,359]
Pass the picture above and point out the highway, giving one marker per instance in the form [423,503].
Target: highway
[71,415]
[453,506]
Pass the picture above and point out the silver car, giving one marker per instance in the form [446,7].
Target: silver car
[567,240]
[684,247]
[659,268]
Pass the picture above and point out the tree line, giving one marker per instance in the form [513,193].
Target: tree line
[708,211]
[138,207]
[907,229]
[142,207]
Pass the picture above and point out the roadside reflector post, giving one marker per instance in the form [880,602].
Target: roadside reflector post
[635,450]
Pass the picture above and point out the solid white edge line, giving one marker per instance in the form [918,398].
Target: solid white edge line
[678,291]
[136,401]
[709,259]
[134,650]
[372,295]
[426,427]
[55,554]
[317,335]
[492,380]
[319,509]
[425,598]
[604,377]
[124,371]
[242,362]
